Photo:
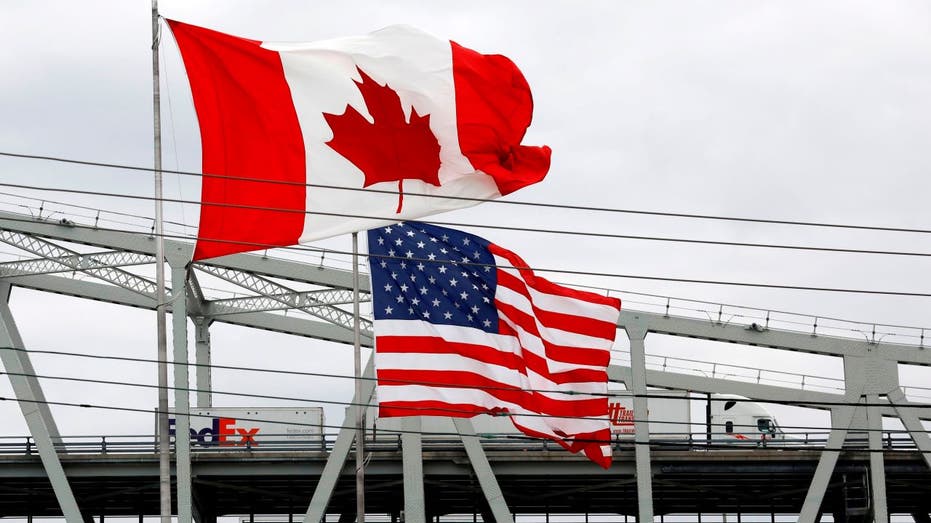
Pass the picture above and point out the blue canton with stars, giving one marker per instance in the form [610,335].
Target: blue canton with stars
[425,272]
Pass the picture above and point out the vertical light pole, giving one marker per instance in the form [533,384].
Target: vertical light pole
[357,361]
[164,463]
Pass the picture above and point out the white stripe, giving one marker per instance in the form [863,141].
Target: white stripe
[552,334]
[544,424]
[561,303]
[456,334]
[503,375]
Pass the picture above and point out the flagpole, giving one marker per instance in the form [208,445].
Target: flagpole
[357,361]
[164,463]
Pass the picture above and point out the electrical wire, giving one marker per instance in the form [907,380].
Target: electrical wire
[476,200]
[479,226]
[537,269]
[452,412]
[649,395]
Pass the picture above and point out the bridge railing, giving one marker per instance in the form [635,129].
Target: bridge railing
[893,440]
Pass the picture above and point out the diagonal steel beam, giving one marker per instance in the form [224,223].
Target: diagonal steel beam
[279,302]
[284,295]
[95,260]
[71,259]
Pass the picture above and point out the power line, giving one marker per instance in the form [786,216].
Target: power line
[649,395]
[257,245]
[479,200]
[561,232]
[324,251]
[452,411]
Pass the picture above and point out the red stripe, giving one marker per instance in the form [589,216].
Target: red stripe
[544,285]
[249,129]
[568,354]
[393,409]
[530,400]
[584,325]
[435,345]
[493,110]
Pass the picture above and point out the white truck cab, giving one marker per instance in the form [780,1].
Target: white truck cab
[736,417]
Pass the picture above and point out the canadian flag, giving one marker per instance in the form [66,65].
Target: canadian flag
[303,141]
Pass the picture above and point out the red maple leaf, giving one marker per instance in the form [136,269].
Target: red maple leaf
[391,148]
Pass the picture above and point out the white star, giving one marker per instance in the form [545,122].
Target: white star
[431,279]
[431,256]
[474,286]
[410,310]
[456,304]
[403,287]
[398,242]
[436,302]
[442,269]
[420,266]
[383,264]
[381,241]
[453,282]
[475,309]
[476,255]
[426,314]
[445,238]
[423,290]
[410,233]
[413,277]
[465,259]
[388,230]
[421,245]
[390,252]
[465,241]
[400,299]
[394,275]
[444,251]
[487,323]
[415,301]
[485,286]
[403,265]
[488,268]
[469,316]
[387,287]
[409,254]
[464,274]
[444,292]
[432,239]
[465,295]
[448,315]
[485,299]
[388,310]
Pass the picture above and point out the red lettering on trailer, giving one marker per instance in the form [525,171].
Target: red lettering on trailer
[247,437]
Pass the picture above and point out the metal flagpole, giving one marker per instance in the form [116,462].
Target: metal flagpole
[164,464]
[360,411]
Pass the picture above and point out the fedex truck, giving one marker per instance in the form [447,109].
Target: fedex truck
[251,427]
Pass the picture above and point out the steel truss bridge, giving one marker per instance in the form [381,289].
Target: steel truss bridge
[860,480]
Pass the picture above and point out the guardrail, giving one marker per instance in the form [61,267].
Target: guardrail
[387,443]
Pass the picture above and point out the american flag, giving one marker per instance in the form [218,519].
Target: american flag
[463,327]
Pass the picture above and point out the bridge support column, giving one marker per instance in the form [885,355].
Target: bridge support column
[182,384]
[638,386]
[877,463]
[412,463]
[31,402]
[486,476]
[203,374]
[841,419]
[912,423]
[334,465]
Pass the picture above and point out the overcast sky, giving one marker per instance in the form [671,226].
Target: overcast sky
[811,111]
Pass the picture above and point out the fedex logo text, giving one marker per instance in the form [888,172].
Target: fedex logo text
[222,432]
